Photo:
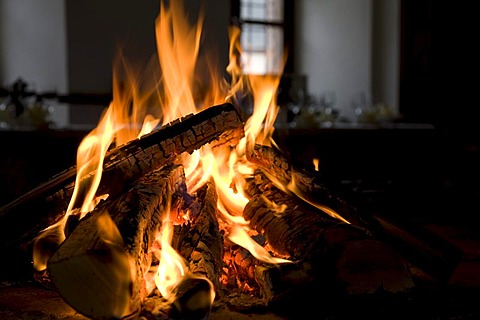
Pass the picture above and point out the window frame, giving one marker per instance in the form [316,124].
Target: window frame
[287,25]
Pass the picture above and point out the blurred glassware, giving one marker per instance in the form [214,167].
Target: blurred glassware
[327,101]
[317,113]
[293,113]
[36,115]
[23,108]
[368,113]
[359,105]
[291,98]
[377,114]
[7,113]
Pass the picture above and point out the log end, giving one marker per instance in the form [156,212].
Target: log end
[94,273]
[194,299]
[370,266]
[96,285]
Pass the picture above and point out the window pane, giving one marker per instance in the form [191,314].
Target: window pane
[254,62]
[275,10]
[262,42]
[262,48]
[274,49]
[254,37]
[253,10]
[262,10]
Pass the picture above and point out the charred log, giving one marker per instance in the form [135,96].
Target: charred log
[22,219]
[194,298]
[239,270]
[200,241]
[422,248]
[274,164]
[99,269]
[342,256]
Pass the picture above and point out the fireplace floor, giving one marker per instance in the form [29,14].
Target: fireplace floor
[457,299]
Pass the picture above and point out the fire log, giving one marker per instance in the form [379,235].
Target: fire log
[274,164]
[422,248]
[239,269]
[100,268]
[341,256]
[200,241]
[22,219]
[194,299]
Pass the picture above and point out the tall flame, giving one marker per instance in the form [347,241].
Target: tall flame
[177,46]
[172,268]
[141,102]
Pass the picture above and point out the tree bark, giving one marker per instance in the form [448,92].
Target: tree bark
[99,269]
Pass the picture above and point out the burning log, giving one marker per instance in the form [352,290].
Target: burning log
[200,241]
[340,255]
[193,299]
[239,273]
[423,249]
[100,268]
[22,219]
[274,164]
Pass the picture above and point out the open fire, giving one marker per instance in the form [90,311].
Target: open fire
[178,202]
[135,111]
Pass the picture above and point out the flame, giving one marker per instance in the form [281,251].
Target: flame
[277,209]
[316,164]
[172,268]
[177,46]
[239,235]
[292,186]
[170,90]
[122,265]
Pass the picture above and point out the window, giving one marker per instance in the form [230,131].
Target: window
[263,34]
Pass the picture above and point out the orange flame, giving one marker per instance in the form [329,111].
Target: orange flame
[139,105]
[121,267]
[316,164]
[172,268]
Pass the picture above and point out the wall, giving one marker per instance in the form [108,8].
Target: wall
[349,47]
[386,52]
[96,30]
[32,44]
[69,46]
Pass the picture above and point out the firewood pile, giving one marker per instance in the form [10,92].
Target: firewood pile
[334,245]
